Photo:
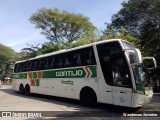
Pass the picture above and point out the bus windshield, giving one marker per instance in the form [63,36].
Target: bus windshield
[140,75]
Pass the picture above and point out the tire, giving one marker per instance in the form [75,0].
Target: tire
[21,89]
[88,97]
[27,90]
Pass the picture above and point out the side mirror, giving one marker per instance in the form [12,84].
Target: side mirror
[134,56]
[150,62]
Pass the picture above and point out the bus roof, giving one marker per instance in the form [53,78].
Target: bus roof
[72,49]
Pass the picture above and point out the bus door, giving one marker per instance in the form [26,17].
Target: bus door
[122,83]
[105,86]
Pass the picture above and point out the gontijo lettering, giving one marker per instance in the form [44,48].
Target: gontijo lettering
[69,73]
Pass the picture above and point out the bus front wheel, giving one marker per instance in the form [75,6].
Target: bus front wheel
[88,97]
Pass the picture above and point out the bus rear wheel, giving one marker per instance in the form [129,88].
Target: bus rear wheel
[27,90]
[88,97]
[21,89]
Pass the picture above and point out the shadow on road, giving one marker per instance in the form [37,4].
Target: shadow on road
[118,110]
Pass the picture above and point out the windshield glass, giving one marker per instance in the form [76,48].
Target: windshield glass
[140,75]
[128,45]
[132,56]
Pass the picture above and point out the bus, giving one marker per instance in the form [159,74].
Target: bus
[108,71]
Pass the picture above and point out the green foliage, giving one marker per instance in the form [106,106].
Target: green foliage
[64,30]
[112,33]
[61,26]
[90,37]
[47,47]
[7,58]
[50,47]
[141,18]
[29,52]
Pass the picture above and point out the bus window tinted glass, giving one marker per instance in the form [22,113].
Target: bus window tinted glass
[88,57]
[81,57]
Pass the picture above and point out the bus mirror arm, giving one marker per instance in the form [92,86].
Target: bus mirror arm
[154,62]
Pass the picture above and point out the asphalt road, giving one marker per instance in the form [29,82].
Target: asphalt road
[62,108]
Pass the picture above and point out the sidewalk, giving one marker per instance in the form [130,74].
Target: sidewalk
[6,86]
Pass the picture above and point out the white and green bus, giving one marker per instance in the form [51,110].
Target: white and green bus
[109,71]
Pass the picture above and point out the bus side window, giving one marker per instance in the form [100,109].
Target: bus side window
[74,60]
[88,57]
[79,59]
[24,67]
[68,59]
[15,68]
[46,63]
[58,61]
[29,66]
[66,63]
[62,60]
[41,64]
[34,67]
[85,57]
[60,64]
[27,69]
[18,67]
[52,62]
[88,61]
[92,57]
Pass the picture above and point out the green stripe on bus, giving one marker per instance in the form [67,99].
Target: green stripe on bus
[20,76]
[94,71]
[35,75]
[72,73]
[37,82]
[82,72]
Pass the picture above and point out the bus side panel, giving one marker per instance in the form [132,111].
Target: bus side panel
[67,87]
[52,86]
[39,86]
[15,84]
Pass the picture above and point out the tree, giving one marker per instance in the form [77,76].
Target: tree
[61,26]
[141,18]
[112,33]
[6,60]
[49,47]
[64,30]
[29,52]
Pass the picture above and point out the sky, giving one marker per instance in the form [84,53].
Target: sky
[17,31]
